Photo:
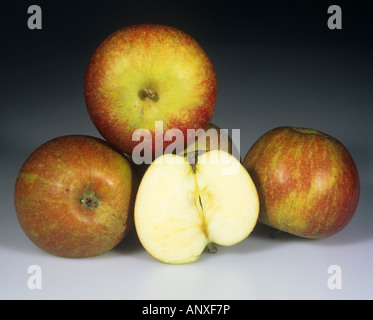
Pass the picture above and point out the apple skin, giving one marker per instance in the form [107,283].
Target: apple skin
[307,181]
[139,59]
[74,196]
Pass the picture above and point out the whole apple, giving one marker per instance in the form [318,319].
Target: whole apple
[74,196]
[147,73]
[307,181]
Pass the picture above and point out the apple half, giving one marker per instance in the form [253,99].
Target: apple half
[182,206]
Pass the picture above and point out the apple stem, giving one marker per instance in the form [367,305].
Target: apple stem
[149,93]
[211,248]
[89,200]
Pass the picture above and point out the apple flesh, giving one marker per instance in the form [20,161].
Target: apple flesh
[147,73]
[307,181]
[74,196]
[180,207]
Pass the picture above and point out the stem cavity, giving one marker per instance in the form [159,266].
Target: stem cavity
[148,93]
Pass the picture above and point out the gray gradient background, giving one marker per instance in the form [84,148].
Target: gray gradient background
[276,64]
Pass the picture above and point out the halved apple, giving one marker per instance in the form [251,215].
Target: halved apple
[183,206]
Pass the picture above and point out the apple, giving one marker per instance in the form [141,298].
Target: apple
[307,181]
[74,196]
[182,207]
[146,73]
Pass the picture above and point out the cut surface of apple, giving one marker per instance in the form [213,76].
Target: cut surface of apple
[182,207]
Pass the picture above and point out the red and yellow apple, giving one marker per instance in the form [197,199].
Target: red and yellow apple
[74,196]
[307,181]
[147,73]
